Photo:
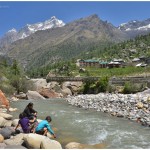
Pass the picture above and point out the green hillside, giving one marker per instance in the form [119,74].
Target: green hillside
[138,47]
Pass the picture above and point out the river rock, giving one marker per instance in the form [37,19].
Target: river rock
[2,145]
[7,132]
[21,95]
[34,141]
[50,144]
[140,105]
[14,99]
[15,122]
[34,95]
[15,140]
[6,116]
[38,84]
[1,138]
[12,109]
[66,91]
[15,147]
[3,100]
[47,93]
[2,122]
[74,145]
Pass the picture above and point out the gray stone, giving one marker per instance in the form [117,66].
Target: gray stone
[34,95]
[6,116]
[7,132]
[15,147]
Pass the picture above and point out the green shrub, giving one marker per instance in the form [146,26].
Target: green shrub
[102,84]
[111,88]
[128,88]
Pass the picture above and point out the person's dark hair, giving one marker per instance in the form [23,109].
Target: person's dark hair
[48,118]
[30,104]
[21,116]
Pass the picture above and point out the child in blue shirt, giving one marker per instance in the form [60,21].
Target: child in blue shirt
[44,126]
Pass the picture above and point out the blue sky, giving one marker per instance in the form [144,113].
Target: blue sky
[18,14]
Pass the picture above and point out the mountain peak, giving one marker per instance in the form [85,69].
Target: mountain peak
[12,30]
[53,17]
[94,16]
[12,35]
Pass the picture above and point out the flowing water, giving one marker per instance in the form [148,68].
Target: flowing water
[88,126]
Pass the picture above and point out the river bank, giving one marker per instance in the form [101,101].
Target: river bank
[134,107]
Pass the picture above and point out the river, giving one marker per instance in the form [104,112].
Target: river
[88,126]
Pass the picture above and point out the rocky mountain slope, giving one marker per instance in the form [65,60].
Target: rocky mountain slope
[135,27]
[14,35]
[52,45]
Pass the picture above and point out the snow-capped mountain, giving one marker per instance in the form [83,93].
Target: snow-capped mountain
[14,35]
[136,27]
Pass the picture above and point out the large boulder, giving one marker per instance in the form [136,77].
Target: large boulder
[34,95]
[39,84]
[74,87]
[2,122]
[34,141]
[8,123]
[7,132]
[54,86]
[16,140]
[6,116]
[3,100]
[66,91]
[50,144]
[15,122]
[47,93]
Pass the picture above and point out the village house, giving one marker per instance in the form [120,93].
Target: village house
[102,64]
[89,63]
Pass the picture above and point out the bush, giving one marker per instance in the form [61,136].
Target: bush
[130,87]
[102,84]
[111,88]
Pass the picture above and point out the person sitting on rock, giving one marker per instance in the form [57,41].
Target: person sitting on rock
[44,126]
[24,122]
[29,111]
